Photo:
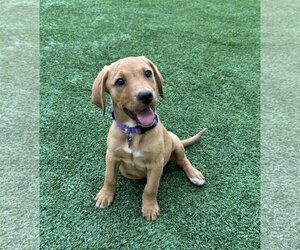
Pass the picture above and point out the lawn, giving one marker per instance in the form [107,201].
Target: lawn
[209,55]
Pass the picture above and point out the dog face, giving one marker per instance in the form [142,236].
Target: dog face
[130,82]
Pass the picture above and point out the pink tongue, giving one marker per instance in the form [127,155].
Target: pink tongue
[146,117]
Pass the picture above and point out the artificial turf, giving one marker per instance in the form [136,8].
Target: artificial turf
[209,55]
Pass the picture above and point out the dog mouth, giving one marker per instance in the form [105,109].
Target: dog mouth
[145,117]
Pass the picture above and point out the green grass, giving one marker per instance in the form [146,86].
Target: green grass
[208,53]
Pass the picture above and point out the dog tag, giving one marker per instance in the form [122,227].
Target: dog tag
[129,139]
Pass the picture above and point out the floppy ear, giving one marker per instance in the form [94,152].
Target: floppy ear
[158,77]
[98,89]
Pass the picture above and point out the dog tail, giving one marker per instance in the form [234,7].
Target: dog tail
[193,139]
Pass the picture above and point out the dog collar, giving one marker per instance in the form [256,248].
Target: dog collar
[132,130]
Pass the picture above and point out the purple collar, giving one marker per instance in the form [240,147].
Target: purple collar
[134,130]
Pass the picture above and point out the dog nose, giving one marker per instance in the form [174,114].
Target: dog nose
[145,97]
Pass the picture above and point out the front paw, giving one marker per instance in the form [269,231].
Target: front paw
[150,212]
[104,198]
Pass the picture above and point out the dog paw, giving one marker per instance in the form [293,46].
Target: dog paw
[197,178]
[150,212]
[104,199]
[197,181]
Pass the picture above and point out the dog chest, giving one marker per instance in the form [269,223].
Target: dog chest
[132,153]
[129,156]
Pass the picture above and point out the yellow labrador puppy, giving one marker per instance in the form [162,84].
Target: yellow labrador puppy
[139,146]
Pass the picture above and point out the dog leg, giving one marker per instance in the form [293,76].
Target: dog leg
[150,208]
[105,196]
[194,175]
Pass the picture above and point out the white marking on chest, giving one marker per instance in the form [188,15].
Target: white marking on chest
[127,149]
[135,154]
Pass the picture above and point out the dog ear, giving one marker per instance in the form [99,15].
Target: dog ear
[158,77]
[98,89]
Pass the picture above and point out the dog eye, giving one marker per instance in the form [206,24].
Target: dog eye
[120,82]
[148,73]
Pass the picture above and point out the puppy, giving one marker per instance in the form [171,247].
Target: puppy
[139,146]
